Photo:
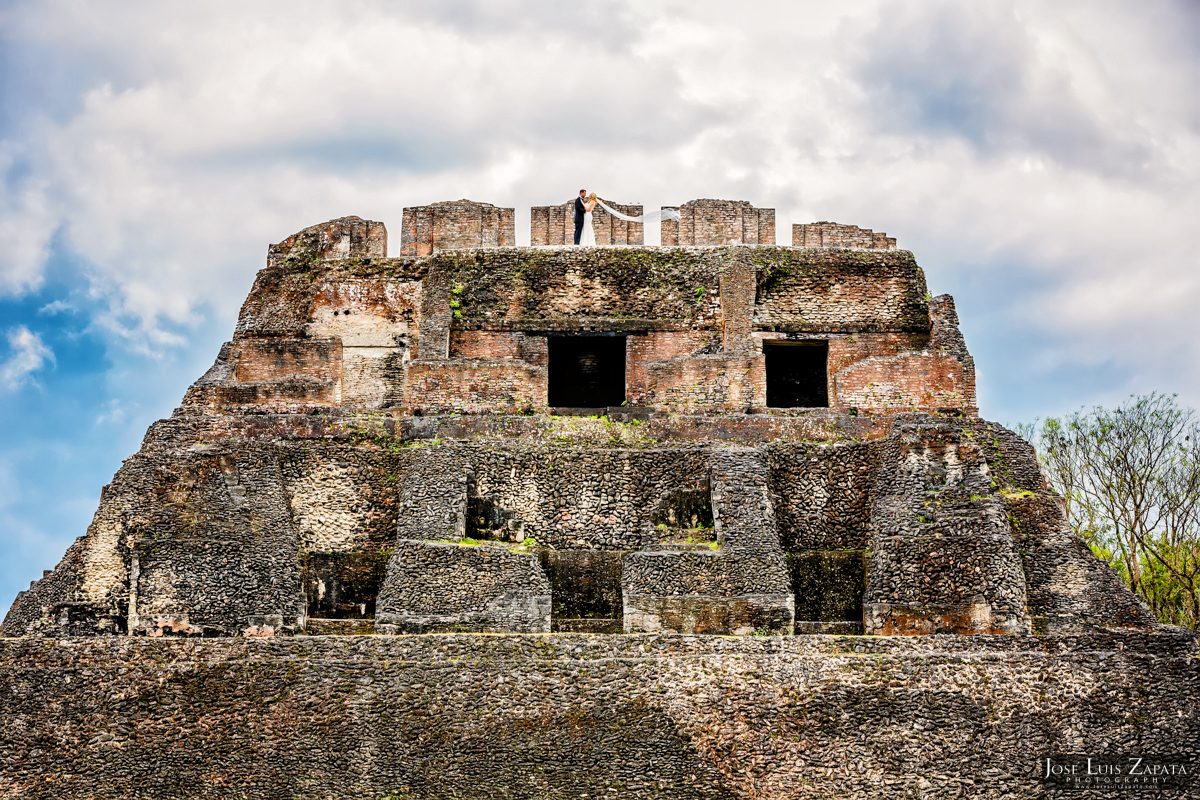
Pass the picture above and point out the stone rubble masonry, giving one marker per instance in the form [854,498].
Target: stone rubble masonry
[455,225]
[473,386]
[704,223]
[374,416]
[555,225]
[943,554]
[713,383]
[831,234]
[434,586]
[347,237]
[741,588]
[643,717]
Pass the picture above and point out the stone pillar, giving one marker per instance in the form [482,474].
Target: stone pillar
[943,556]
[741,588]
[719,222]
[946,339]
[833,235]
[555,225]
[454,225]
[345,237]
[738,285]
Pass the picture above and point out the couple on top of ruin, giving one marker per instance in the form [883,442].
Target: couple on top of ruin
[585,234]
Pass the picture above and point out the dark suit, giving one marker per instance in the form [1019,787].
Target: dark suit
[579,212]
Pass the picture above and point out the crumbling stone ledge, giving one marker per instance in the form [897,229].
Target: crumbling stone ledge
[567,715]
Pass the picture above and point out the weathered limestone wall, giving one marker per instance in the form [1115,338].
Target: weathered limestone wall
[719,222]
[822,495]
[568,716]
[539,289]
[448,332]
[842,291]
[454,225]
[831,234]
[474,385]
[555,225]
[221,525]
[943,554]
[740,588]
[441,585]
[347,237]
[707,383]
[1068,588]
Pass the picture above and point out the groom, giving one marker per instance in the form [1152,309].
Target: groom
[579,211]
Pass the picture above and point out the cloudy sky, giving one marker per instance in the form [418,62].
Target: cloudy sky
[1041,159]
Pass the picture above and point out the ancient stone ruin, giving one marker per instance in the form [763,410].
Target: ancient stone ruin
[728,437]
[716,436]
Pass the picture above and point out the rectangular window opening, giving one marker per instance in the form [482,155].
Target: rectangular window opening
[586,371]
[797,374]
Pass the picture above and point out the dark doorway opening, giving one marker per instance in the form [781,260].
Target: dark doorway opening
[796,374]
[344,585]
[585,590]
[828,586]
[586,371]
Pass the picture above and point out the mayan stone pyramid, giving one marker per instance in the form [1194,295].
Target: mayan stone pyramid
[625,450]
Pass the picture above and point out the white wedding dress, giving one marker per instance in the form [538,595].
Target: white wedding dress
[587,237]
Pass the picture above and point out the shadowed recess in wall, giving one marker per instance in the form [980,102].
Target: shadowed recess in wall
[587,371]
[585,590]
[797,374]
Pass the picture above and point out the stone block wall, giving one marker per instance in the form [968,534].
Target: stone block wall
[539,289]
[205,531]
[707,384]
[904,382]
[368,402]
[1069,589]
[822,495]
[434,586]
[186,542]
[555,225]
[943,555]
[680,310]
[705,593]
[378,322]
[50,605]
[644,353]
[719,222]
[531,349]
[841,291]
[741,588]
[454,225]
[474,385]
[262,360]
[533,717]
[833,235]
[346,237]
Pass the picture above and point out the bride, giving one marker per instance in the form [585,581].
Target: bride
[588,236]
[588,239]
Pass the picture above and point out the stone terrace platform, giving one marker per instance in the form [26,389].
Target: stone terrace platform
[578,716]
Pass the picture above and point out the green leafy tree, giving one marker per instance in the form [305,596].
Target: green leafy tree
[1130,477]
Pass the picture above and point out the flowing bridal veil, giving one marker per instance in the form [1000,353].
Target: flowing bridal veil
[666,213]
[588,237]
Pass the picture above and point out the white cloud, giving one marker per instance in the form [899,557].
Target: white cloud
[115,412]
[26,356]
[1064,138]
[57,307]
